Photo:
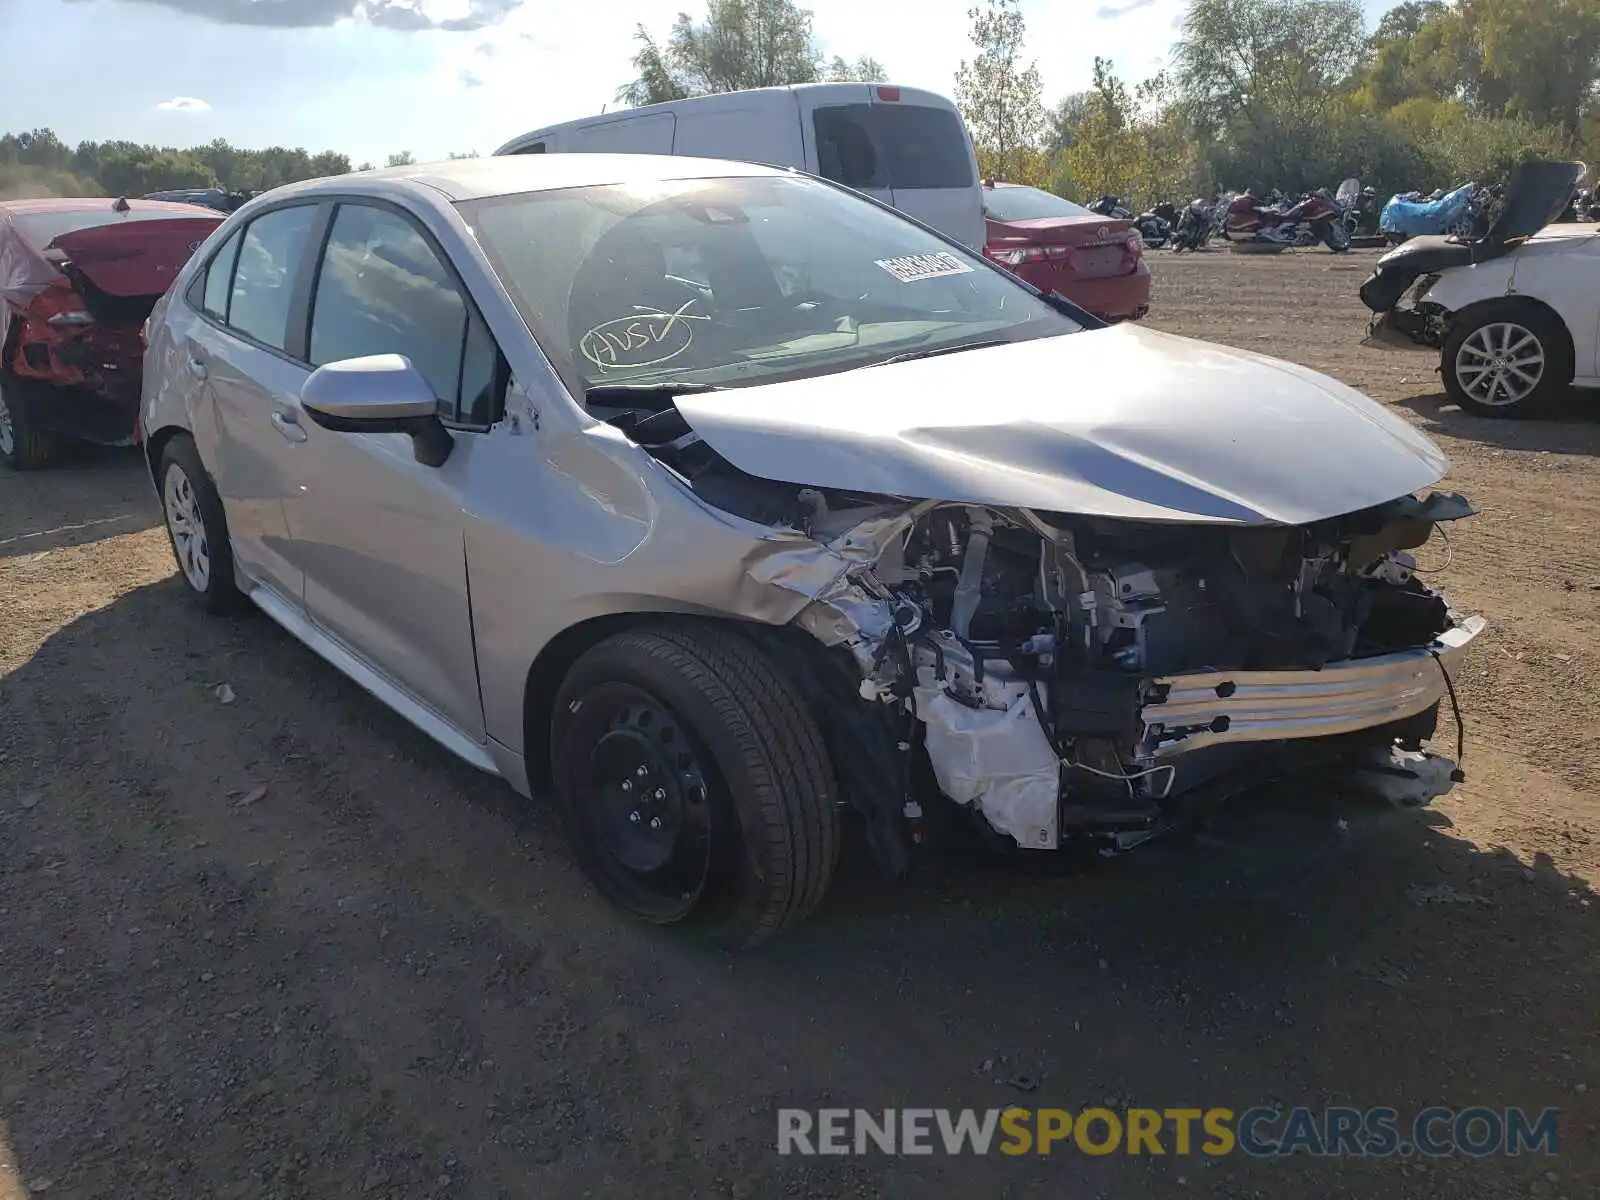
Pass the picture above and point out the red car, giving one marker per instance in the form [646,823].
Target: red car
[77,280]
[1058,246]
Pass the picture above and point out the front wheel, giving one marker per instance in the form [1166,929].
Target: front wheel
[694,783]
[1337,238]
[1507,359]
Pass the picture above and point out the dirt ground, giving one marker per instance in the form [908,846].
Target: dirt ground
[285,947]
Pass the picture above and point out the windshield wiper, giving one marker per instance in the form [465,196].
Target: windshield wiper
[935,351]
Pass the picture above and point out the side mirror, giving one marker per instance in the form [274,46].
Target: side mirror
[383,393]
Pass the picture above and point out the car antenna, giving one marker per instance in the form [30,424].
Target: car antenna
[122,205]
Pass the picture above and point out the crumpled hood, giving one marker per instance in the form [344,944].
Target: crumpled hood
[1121,422]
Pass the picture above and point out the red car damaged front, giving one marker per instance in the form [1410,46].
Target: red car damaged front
[78,278]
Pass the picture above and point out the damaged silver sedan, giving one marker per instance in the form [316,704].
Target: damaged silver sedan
[722,502]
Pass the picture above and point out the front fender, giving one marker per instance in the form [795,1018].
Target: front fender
[1459,287]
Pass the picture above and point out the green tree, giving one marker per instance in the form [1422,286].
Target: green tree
[1000,95]
[1536,59]
[740,44]
[1243,57]
[863,70]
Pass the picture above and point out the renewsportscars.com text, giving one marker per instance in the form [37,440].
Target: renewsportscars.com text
[1476,1132]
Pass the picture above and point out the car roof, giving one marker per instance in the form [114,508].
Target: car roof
[66,204]
[512,174]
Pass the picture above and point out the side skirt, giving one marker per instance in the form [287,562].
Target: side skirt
[379,685]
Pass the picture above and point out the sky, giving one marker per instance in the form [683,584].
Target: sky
[372,77]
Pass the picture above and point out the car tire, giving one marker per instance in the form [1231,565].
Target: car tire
[1505,337]
[23,447]
[197,528]
[694,783]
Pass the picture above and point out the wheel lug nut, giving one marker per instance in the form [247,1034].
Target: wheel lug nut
[627,785]
[655,822]
[634,817]
[641,772]
[661,794]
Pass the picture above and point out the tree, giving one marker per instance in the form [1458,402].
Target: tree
[1537,59]
[1246,56]
[865,69]
[38,163]
[1066,118]
[740,44]
[403,159]
[999,95]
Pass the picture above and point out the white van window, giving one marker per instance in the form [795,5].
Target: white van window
[900,146]
[536,148]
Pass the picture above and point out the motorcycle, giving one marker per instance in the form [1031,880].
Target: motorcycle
[1410,214]
[1155,226]
[1312,220]
[1195,227]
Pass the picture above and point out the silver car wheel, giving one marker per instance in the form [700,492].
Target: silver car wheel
[187,527]
[8,432]
[1500,364]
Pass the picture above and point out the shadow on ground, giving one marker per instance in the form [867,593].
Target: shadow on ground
[1573,428]
[284,946]
[96,493]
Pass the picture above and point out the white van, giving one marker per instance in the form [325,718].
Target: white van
[903,146]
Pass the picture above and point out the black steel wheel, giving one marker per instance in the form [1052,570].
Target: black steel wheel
[694,782]
[647,803]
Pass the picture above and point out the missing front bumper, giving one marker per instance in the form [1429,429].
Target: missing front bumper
[1402,329]
[1234,707]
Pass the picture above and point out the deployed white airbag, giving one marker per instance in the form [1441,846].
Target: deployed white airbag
[997,758]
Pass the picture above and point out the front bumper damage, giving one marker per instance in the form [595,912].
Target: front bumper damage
[1192,712]
[1002,755]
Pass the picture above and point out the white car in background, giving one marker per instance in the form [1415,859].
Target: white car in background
[1514,315]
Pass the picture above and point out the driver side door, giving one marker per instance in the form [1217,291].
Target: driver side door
[381,537]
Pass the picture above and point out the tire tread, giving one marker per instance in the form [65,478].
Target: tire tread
[782,755]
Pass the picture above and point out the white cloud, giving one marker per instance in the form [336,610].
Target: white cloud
[184,104]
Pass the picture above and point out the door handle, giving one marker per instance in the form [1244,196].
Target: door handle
[288,426]
[196,367]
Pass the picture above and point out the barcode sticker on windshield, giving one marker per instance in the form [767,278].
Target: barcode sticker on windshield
[911,267]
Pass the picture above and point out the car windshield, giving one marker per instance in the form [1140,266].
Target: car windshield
[1028,204]
[734,281]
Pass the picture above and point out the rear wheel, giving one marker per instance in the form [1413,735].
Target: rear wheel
[1507,359]
[196,526]
[23,447]
[695,785]
[1337,238]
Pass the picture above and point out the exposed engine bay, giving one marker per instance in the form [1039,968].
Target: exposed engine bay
[1070,674]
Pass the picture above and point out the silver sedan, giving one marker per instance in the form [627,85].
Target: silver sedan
[719,501]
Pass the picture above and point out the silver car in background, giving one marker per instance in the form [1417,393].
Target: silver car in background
[718,500]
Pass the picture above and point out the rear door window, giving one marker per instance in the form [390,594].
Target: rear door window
[898,146]
[219,279]
[269,264]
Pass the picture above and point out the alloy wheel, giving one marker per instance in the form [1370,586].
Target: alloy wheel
[187,527]
[1500,363]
